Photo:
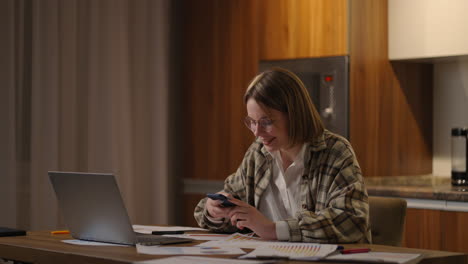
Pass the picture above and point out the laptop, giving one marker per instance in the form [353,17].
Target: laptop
[93,209]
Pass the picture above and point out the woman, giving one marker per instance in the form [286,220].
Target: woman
[297,181]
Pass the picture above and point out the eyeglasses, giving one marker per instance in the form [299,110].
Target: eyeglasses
[265,123]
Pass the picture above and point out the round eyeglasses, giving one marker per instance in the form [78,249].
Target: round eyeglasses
[265,123]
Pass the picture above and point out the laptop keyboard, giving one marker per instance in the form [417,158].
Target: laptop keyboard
[151,240]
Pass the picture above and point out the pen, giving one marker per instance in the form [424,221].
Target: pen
[59,232]
[355,250]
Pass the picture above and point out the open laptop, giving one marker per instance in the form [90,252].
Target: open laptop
[93,210]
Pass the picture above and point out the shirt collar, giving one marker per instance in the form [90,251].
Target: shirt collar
[298,160]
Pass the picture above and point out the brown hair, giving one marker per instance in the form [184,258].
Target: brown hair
[283,91]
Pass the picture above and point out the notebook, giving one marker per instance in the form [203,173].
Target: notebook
[93,209]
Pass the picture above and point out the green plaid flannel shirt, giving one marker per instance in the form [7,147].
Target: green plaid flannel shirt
[334,200]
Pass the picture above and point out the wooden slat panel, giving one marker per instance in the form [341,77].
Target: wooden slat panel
[189,203]
[390,105]
[436,230]
[454,231]
[302,28]
[221,57]
[422,229]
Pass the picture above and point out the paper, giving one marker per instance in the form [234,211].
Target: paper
[208,236]
[145,229]
[90,243]
[156,250]
[238,240]
[377,257]
[199,260]
[299,251]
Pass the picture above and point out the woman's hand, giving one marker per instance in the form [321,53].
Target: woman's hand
[244,215]
[215,209]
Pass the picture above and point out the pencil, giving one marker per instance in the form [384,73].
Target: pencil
[59,232]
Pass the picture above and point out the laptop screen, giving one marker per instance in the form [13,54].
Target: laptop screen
[92,207]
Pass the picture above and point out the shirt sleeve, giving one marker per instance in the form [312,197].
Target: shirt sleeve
[282,230]
[235,185]
[204,220]
[343,210]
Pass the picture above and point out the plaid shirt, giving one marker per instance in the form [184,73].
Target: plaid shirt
[334,200]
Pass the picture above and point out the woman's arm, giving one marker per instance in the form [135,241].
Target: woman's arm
[340,213]
[235,186]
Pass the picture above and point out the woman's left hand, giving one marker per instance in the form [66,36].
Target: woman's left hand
[245,215]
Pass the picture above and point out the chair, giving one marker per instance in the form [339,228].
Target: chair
[387,220]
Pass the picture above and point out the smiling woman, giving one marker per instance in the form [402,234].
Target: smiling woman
[298,181]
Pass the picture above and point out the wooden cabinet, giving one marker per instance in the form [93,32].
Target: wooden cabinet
[436,230]
[303,29]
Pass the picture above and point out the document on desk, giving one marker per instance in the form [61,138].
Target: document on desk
[157,250]
[376,257]
[201,260]
[236,240]
[207,236]
[146,229]
[290,250]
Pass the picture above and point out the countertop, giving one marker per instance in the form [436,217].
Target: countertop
[428,187]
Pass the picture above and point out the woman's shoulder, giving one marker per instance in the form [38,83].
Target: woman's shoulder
[334,139]
[256,150]
[335,144]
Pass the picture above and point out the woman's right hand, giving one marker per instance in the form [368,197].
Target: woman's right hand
[215,209]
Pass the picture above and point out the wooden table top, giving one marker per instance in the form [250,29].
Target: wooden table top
[43,247]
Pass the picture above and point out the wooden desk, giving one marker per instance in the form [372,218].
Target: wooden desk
[42,247]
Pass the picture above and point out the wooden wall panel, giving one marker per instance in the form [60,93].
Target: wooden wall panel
[220,59]
[190,201]
[390,104]
[302,28]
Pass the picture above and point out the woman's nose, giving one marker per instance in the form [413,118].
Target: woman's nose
[257,130]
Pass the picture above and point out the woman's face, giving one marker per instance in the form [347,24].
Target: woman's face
[268,125]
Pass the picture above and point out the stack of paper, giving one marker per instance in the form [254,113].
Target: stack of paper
[299,251]
[376,257]
[200,260]
[157,250]
[237,240]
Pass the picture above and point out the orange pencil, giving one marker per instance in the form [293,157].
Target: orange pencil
[58,232]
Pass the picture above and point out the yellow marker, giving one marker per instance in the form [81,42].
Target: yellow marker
[58,232]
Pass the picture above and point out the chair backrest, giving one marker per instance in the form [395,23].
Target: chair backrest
[387,220]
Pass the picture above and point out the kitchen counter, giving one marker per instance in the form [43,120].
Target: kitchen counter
[425,191]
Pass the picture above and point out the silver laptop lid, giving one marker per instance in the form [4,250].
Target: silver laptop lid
[92,207]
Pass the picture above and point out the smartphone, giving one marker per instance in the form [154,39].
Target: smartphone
[218,196]
[168,232]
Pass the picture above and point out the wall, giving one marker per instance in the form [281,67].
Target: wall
[427,28]
[450,109]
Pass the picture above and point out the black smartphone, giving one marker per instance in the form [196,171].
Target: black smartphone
[218,196]
[168,232]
